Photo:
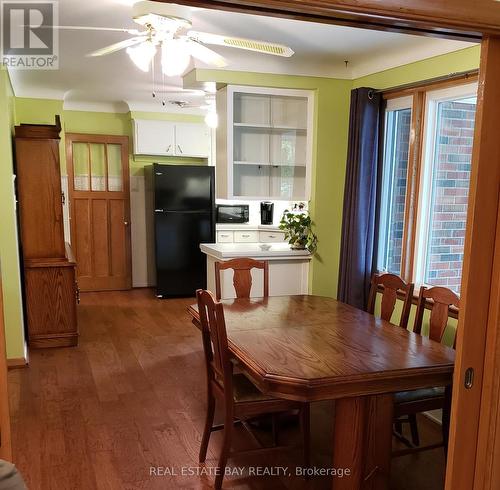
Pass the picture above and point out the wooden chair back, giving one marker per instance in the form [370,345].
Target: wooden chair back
[441,301]
[390,284]
[214,335]
[242,276]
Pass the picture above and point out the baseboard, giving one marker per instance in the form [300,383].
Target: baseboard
[17,362]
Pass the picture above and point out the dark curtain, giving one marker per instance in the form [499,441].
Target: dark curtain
[358,249]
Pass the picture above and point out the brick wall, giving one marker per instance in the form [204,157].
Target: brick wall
[449,195]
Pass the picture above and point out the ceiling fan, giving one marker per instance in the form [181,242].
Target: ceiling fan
[211,118]
[167,27]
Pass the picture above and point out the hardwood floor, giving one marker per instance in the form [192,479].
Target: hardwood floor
[129,402]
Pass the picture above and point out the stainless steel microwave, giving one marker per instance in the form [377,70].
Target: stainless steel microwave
[232,213]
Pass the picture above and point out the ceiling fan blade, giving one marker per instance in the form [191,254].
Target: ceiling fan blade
[241,43]
[204,54]
[117,46]
[89,28]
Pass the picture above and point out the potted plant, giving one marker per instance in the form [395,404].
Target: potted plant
[297,225]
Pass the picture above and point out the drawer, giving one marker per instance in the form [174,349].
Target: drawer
[246,236]
[271,236]
[225,237]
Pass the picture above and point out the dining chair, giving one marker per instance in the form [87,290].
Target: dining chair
[409,403]
[390,285]
[242,275]
[240,398]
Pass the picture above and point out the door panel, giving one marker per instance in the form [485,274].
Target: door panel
[100,208]
[117,217]
[100,239]
[81,236]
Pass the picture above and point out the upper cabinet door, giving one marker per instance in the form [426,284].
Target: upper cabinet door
[192,140]
[154,137]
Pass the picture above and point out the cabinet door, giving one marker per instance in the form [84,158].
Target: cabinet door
[40,198]
[192,140]
[154,137]
[51,297]
[288,182]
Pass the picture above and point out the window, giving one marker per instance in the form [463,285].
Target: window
[423,209]
[394,177]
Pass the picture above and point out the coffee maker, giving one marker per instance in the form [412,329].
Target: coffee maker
[266,213]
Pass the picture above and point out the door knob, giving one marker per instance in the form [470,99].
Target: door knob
[125,223]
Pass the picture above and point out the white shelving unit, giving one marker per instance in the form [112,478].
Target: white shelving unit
[264,143]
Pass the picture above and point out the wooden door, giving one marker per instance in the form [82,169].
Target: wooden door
[98,183]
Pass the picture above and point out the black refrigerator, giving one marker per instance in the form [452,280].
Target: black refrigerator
[184,216]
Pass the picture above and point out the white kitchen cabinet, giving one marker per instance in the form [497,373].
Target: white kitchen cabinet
[192,140]
[288,269]
[264,143]
[154,137]
[167,138]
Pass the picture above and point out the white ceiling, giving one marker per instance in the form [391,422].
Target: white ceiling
[113,83]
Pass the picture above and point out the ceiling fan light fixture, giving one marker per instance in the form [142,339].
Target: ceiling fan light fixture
[142,55]
[175,57]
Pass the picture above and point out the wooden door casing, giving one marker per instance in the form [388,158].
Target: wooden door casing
[475,407]
[100,222]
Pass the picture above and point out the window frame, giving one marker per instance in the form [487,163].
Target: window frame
[418,146]
[423,215]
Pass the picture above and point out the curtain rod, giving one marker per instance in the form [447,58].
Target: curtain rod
[423,83]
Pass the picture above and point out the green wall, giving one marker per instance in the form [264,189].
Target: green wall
[437,66]
[331,120]
[9,256]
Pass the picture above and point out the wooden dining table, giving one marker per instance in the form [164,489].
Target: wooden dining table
[312,348]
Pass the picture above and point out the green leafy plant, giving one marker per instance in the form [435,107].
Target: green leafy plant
[298,230]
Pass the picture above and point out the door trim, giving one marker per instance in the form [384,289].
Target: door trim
[102,139]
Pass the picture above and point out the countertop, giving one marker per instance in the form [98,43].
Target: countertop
[246,226]
[278,251]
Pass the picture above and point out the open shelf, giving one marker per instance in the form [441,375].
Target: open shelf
[266,144]
[268,127]
[273,164]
